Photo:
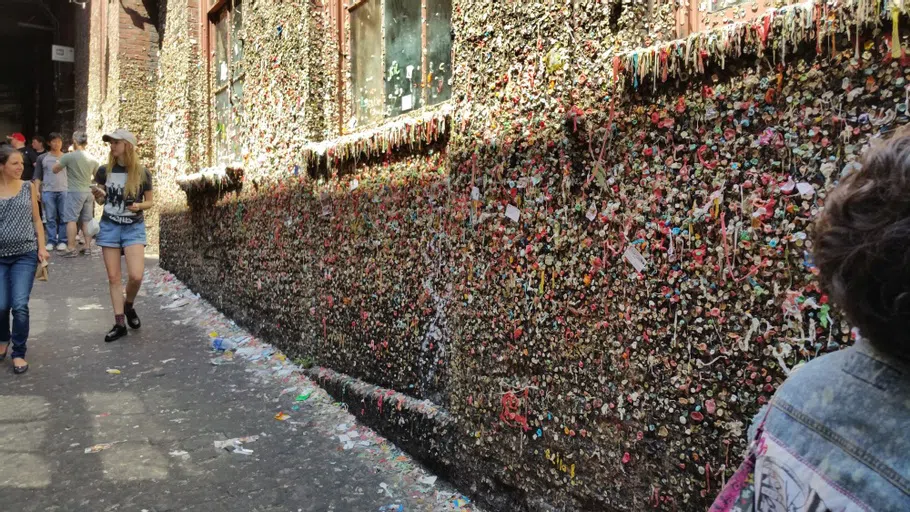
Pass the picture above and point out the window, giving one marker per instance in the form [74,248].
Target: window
[105,51]
[401,56]
[225,32]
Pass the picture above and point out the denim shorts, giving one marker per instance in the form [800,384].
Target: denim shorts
[120,235]
[78,207]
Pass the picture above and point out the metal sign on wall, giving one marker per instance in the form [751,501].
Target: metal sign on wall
[62,53]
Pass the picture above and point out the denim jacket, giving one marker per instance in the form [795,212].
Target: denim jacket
[836,436]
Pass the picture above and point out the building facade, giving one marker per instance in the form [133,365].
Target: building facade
[573,232]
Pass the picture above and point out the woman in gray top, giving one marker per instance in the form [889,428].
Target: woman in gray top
[21,247]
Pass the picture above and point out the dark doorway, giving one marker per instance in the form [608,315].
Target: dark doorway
[36,92]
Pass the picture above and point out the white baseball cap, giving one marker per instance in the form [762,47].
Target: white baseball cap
[120,134]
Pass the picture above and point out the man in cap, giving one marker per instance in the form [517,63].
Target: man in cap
[17,140]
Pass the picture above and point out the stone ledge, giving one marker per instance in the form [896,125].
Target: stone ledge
[428,433]
[410,131]
[220,179]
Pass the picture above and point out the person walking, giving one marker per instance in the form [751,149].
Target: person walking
[17,140]
[124,187]
[832,437]
[53,189]
[21,248]
[38,148]
[78,207]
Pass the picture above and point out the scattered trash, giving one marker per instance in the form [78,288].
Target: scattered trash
[222,344]
[460,502]
[180,453]
[236,444]
[346,440]
[99,447]
[179,303]
[113,371]
[417,489]
[226,358]
[168,360]
[91,307]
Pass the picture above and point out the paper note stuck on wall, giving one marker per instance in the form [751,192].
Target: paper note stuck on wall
[407,102]
[634,257]
[513,213]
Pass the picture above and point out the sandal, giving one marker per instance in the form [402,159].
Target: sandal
[18,370]
[5,352]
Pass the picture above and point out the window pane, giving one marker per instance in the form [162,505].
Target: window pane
[439,50]
[222,125]
[237,118]
[221,47]
[237,39]
[403,35]
[366,61]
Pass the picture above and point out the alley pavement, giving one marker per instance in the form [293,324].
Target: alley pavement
[135,425]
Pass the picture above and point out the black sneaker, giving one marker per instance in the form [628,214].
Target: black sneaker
[116,332]
[132,319]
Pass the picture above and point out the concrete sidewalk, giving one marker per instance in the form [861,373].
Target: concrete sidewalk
[74,436]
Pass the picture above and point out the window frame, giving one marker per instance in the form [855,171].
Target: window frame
[345,62]
[213,15]
[104,51]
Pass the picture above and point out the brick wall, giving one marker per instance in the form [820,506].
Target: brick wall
[119,74]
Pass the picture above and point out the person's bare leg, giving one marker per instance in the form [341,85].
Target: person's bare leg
[83,225]
[135,266]
[114,277]
[71,229]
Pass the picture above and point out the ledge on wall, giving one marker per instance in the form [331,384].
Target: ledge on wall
[221,179]
[777,29]
[411,131]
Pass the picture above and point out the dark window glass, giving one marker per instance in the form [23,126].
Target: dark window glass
[223,153]
[228,83]
[237,39]
[403,70]
[366,61]
[222,63]
[439,51]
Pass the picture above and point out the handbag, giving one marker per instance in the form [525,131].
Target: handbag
[41,271]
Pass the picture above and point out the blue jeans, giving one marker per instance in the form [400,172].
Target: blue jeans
[54,205]
[119,236]
[17,274]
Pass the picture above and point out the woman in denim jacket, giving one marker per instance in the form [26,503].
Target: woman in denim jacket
[836,435]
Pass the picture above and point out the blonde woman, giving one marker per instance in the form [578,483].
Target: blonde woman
[124,187]
[21,247]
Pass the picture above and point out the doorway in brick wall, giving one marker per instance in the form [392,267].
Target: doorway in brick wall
[37,90]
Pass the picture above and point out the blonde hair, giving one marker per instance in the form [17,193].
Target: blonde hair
[135,176]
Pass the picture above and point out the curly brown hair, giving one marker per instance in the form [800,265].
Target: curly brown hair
[861,245]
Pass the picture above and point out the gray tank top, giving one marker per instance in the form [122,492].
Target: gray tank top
[17,228]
